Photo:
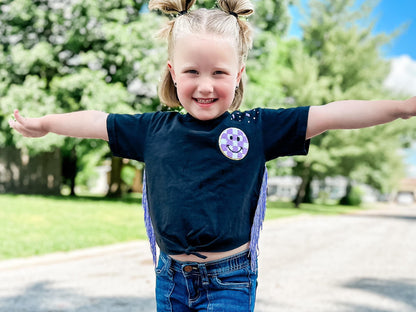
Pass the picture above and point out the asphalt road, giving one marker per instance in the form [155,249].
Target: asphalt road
[352,263]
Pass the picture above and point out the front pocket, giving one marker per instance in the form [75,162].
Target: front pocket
[232,280]
[163,267]
[160,267]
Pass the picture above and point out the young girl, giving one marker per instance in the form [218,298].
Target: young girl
[204,196]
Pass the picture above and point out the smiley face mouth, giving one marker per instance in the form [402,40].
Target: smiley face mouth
[230,148]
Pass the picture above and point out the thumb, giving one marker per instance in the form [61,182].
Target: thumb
[19,118]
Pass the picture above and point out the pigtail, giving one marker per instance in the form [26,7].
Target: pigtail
[170,7]
[236,7]
[239,8]
[174,7]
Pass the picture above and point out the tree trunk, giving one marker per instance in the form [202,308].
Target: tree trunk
[304,188]
[137,181]
[115,183]
[69,168]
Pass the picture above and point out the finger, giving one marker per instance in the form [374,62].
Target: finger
[22,130]
[16,126]
[18,117]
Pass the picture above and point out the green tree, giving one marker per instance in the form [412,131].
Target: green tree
[75,55]
[269,55]
[341,58]
[272,16]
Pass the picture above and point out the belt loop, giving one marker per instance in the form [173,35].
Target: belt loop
[204,274]
[169,265]
[168,262]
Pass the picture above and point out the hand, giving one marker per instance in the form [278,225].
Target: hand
[410,107]
[28,127]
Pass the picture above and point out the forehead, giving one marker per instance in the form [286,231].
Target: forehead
[205,47]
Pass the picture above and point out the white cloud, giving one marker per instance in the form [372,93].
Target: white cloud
[402,77]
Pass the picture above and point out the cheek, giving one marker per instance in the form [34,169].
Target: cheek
[185,88]
[227,89]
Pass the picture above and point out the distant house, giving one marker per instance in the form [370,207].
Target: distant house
[286,187]
[406,191]
[283,188]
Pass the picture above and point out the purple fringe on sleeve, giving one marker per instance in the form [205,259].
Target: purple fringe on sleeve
[258,222]
[148,222]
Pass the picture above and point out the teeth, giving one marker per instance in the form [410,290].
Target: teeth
[203,101]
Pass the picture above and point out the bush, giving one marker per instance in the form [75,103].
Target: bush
[353,196]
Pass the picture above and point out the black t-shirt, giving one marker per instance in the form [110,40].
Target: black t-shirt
[204,177]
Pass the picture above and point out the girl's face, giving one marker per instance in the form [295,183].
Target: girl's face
[206,71]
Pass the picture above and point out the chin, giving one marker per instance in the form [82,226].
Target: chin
[204,117]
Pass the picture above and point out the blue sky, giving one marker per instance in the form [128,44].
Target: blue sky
[390,15]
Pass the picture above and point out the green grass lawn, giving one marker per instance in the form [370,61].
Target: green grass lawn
[284,209]
[34,225]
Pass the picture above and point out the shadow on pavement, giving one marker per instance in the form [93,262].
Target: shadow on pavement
[360,308]
[42,297]
[409,218]
[402,291]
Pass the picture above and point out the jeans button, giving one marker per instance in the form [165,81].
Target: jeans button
[187,268]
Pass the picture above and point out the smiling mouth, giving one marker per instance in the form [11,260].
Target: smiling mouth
[232,151]
[205,101]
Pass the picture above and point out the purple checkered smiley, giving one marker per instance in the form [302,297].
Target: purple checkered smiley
[233,143]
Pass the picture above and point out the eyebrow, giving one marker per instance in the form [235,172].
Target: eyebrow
[189,66]
[220,67]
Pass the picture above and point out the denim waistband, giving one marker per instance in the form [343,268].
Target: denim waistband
[231,263]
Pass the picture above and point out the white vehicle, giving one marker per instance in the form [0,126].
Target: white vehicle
[405,198]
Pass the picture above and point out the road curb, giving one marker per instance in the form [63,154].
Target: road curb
[60,257]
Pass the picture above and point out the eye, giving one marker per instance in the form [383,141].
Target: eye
[219,72]
[192,72]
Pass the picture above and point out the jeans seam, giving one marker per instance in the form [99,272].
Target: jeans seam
[168,297]
[209,306]
[250,286]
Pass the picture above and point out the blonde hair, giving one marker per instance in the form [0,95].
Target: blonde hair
[224,21]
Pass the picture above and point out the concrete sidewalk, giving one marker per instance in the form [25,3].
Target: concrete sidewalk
[111,278]
[350,263]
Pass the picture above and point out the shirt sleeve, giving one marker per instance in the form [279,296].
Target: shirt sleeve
[127,134]
[284,132]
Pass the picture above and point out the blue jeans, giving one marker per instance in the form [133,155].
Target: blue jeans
[227,284]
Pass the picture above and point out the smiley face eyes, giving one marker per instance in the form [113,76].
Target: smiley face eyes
[237,138]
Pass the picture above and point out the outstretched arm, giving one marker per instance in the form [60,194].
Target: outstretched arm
[83,124]
[353,114]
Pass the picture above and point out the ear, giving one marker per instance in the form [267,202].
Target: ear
[172,71]
[240,74]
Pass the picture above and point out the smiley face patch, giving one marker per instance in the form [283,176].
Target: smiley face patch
[233,143]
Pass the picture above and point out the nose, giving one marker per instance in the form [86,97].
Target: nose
[205,85]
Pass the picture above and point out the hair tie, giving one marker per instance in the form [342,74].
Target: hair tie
[183,12]
[234,14]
